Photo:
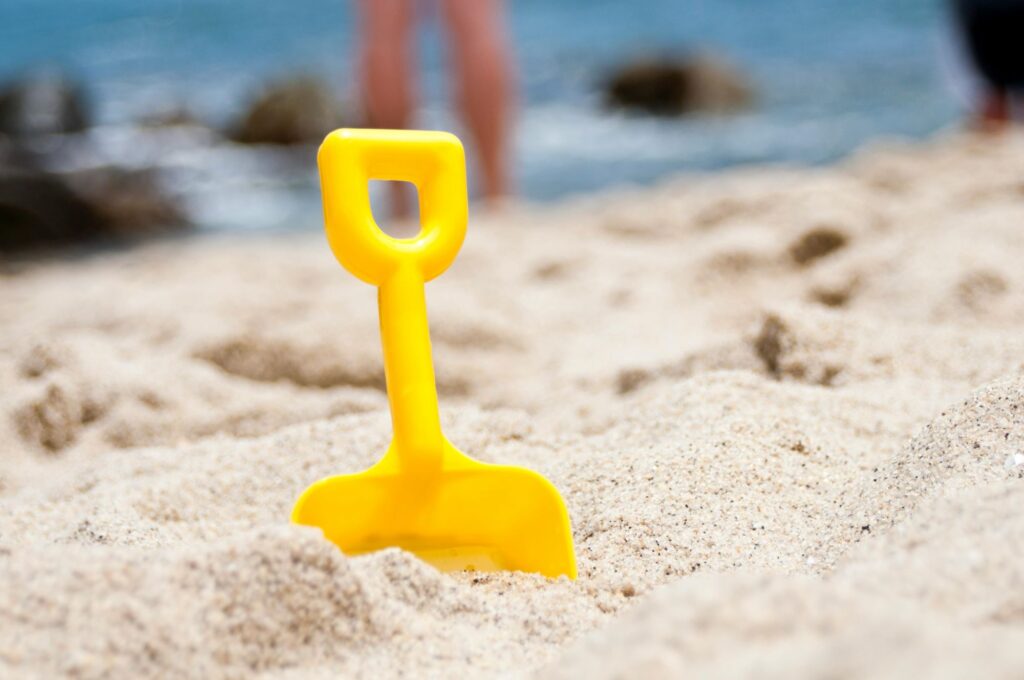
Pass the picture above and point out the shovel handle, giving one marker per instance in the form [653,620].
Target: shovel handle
[435,163]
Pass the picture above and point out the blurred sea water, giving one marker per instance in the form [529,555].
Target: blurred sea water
[829,74]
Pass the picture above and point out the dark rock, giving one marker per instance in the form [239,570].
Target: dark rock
[15,155]
[41,209]
[129,203]
[37,209]
[675,86]
[299,110]
[42,104]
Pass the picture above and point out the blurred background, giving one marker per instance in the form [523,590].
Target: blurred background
[168,87]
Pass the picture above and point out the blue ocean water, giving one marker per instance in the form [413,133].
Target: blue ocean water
[830,74]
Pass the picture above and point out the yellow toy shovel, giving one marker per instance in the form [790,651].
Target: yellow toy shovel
[424,495]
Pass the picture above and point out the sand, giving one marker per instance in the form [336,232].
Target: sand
[785,408]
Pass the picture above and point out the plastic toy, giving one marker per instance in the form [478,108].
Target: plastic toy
[424,495]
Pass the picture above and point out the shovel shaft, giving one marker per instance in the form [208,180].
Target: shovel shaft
[435,163]
[409,371]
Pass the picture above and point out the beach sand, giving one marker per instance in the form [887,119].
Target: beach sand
[785,408]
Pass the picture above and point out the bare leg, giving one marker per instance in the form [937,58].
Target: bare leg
[483,68]
[995,110]
[387,72]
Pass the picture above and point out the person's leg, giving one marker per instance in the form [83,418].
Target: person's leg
[387,71]
[483,67]
[995,110]
[992,33]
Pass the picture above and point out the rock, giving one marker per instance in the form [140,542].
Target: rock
[174,117]
[37,208]
[45,103]
[676,86]
[43,209]
[15,155]
[128,202]
[299,110]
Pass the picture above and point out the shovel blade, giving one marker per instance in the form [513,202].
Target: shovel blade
[476,517]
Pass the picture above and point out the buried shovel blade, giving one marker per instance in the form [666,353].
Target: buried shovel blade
[475,517]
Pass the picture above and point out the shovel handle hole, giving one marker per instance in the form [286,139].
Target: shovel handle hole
[398,203]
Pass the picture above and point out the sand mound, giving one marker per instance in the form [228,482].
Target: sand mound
[742,626]
[958,555]
[178,561]
[978,442]
[270,360]
[82,395]
[784,408]
[268,599]
[823,347]
[946,576]
[668,503]
[946,580]
[820,346]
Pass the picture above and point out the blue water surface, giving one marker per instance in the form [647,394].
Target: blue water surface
[830,74]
